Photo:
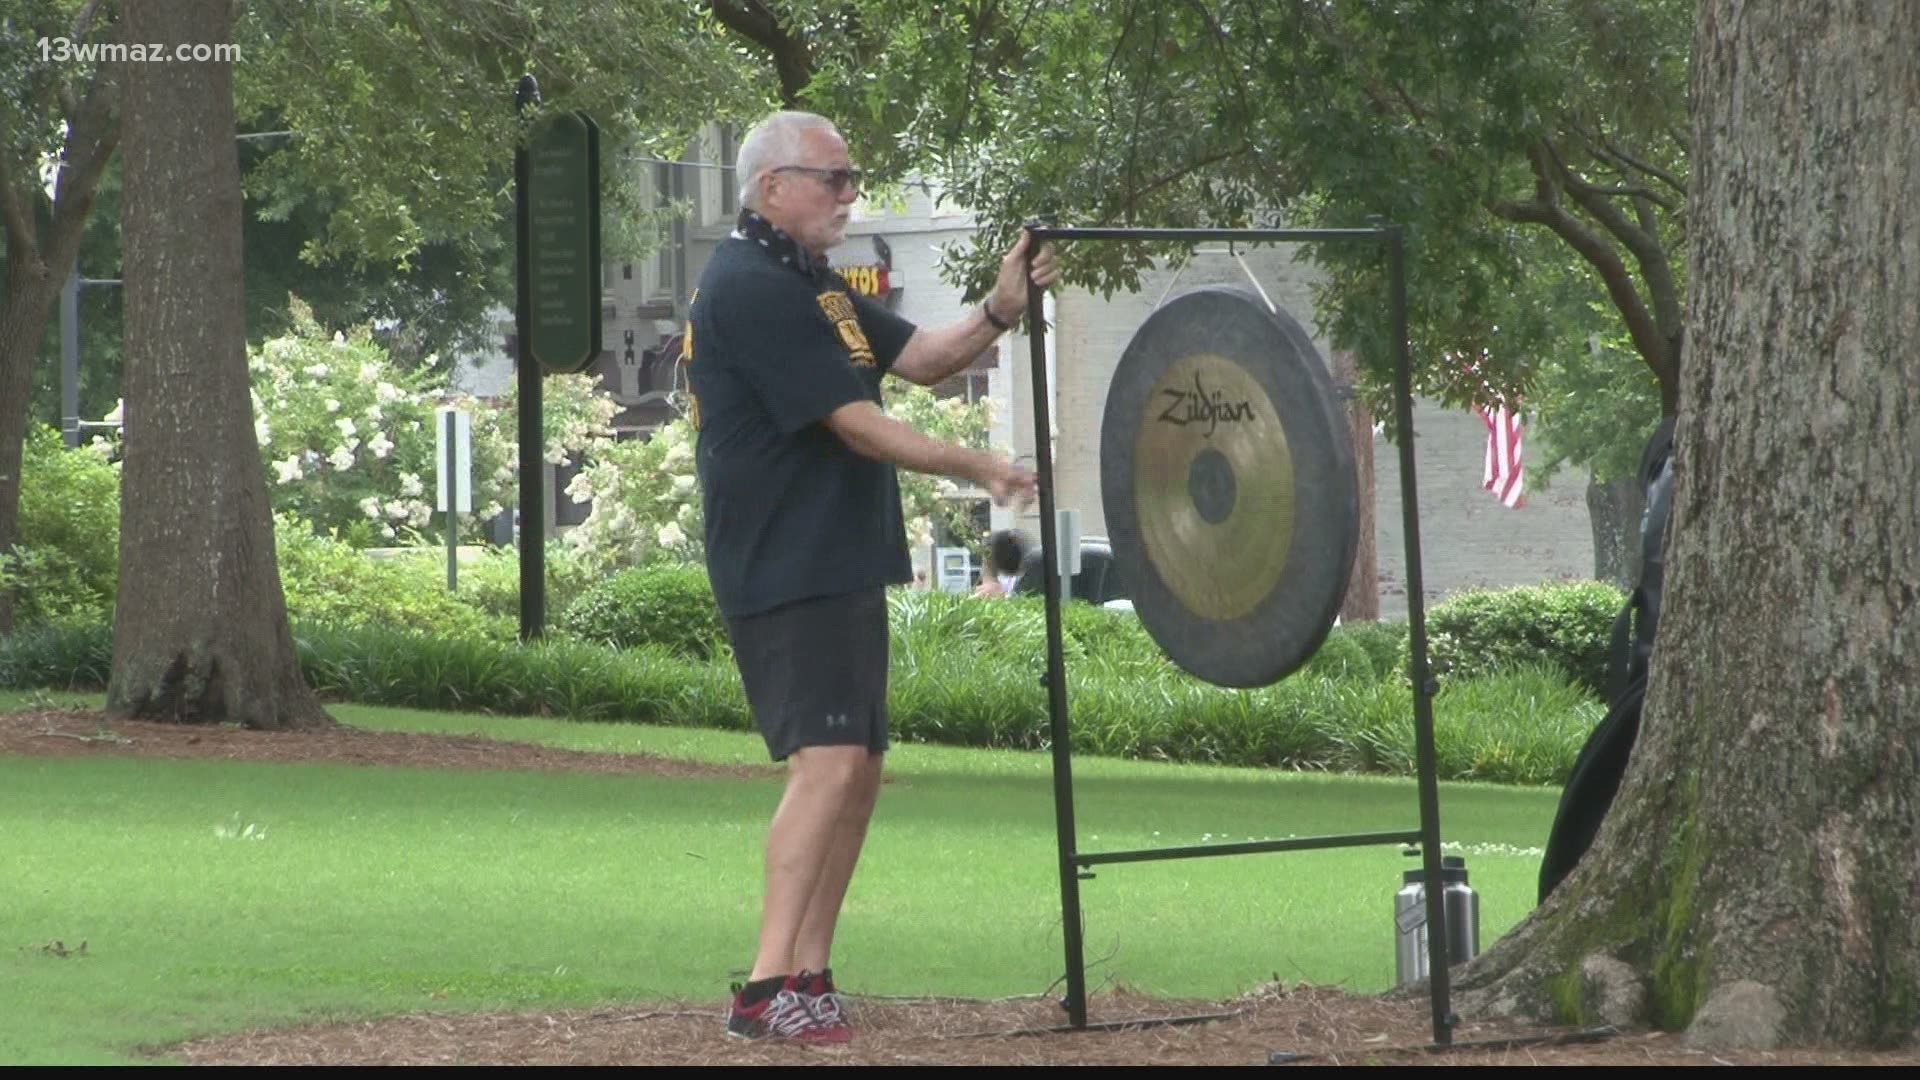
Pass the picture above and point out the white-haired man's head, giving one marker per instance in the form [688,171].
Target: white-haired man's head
[793,170]
[773,142]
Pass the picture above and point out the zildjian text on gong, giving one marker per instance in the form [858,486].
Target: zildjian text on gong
[1203,408]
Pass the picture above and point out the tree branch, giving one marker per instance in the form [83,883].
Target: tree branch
[1583,189]
[980,16]
[1236,88]
[1139,108]
[752,20]
[1193,167]
[1181,173]
[76,30]
[1000,45]
[16,214]
[83,19]
[1643,211]
[76,199]
[1100,155]
[21,241]
[1643,243]
[1383,97]
[92,135]
[1545,209]
[93,130]
[429,44]
[1634,191]
[1650,169]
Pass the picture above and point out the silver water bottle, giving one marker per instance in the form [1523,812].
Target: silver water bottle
[1462,907]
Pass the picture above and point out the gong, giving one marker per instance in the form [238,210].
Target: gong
[1227,480]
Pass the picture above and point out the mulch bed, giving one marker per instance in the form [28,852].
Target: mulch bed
[71,733]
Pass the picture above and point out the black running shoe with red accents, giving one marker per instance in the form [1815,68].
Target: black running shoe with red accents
[828,1004]
[782,1016]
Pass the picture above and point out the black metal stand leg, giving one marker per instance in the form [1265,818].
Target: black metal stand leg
[1423,686]
[1056,682]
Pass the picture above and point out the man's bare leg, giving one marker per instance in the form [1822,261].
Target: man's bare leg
[814,945]
[821,782]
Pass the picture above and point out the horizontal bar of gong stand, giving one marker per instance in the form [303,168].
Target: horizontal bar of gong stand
[1392,238]
[1301,843]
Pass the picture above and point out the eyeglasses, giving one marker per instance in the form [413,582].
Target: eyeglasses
[837,180]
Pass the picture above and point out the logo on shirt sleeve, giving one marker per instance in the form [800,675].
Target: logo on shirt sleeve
[847,324]
[686,358]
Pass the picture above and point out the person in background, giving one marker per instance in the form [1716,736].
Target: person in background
[1002,572]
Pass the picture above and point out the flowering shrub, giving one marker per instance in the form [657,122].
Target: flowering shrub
[925,499]
[647,502]
[349,441]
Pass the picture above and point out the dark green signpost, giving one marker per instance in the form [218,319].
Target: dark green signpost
[563,242]
[556,303]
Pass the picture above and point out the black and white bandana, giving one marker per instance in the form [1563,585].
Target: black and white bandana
[777,241]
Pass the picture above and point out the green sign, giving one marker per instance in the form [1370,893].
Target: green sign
[563,243]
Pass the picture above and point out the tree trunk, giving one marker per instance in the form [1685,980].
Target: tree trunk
[1757,879]
[1613,511]
[200,627]
[1362,602]
[23,321]
[39,260]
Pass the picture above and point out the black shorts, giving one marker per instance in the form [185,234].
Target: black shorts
[815,671]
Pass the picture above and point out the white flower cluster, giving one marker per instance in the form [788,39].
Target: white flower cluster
[349,438]
[646,501]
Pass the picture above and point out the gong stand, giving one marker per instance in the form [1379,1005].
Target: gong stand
[1074,863]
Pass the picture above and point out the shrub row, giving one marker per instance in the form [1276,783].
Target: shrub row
[963,674]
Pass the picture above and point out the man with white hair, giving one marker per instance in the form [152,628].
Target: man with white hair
[804,529]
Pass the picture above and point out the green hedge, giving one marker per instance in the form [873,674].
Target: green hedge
[1521,670]
[329,582]
[1385,644]
[669,606]
[65,567]
[1521,726]
[66,559]
[1568,625]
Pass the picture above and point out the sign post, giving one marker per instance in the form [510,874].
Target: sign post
[453,451]
[556,303]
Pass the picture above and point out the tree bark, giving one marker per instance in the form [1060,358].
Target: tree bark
[23,321]
[1757,877]
[1362,602]
[200,624]
[1613,512]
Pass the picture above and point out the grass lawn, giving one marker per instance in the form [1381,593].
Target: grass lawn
[214,896]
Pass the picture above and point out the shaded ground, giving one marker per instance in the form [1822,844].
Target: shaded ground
[77,733]
[1303,1025]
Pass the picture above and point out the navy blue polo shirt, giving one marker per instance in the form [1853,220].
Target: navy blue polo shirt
[776,342]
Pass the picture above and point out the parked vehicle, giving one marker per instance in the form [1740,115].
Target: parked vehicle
[1098,582]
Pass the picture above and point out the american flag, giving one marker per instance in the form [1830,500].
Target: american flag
[1504,473]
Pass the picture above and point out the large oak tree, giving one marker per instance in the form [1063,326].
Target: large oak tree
[1757,878]
[200,621]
